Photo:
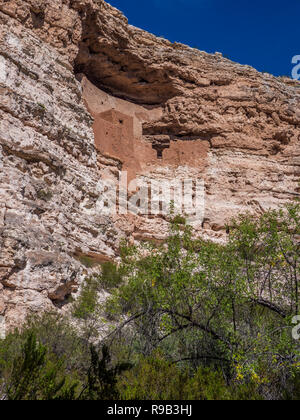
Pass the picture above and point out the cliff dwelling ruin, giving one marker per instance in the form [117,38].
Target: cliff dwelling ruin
[160,111]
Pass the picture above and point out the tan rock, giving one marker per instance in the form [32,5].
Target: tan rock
[139,103]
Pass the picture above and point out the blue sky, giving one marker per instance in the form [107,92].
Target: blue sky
[262,33]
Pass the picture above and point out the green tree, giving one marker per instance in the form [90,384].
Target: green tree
[224,305]
[34,377]
[103,377]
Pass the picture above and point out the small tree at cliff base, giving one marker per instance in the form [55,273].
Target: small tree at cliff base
[226,305]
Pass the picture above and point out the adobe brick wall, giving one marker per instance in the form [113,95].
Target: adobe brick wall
[119,136]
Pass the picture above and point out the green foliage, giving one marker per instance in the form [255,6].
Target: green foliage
[44,195]
[109,279]
[111,276]
[87,261]
[209,385]
[87,301]
[34,376]
[102,377]
[49,360]
[65,347]
[230,305]
[31,370]
[196,320]
[41,108]
[178,220]
[153,378]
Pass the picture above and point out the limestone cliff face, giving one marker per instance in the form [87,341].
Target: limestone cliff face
[84,95]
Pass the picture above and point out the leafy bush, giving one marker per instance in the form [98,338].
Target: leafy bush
[49,360]
[111,277]
[103,377]
[87,261]
[195,320]
[227,304]
[153,378]
[87,301]
[36,375]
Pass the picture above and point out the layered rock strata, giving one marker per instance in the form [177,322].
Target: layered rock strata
[83,96]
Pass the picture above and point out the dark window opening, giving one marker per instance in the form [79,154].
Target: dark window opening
[160,149]
[38,19]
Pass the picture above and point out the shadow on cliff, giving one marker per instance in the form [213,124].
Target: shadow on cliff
[111,60]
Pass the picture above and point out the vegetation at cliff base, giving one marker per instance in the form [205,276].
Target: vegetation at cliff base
[192,319]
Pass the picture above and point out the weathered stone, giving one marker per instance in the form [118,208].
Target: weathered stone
[48,168]
[169,111]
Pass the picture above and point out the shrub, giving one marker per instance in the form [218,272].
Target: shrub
[153,378]
[87,300]
[102,376]
[230,303]
[37,375]
[87,261]
[111,277]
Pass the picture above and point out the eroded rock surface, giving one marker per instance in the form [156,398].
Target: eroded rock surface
[84,95]
[48,177]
